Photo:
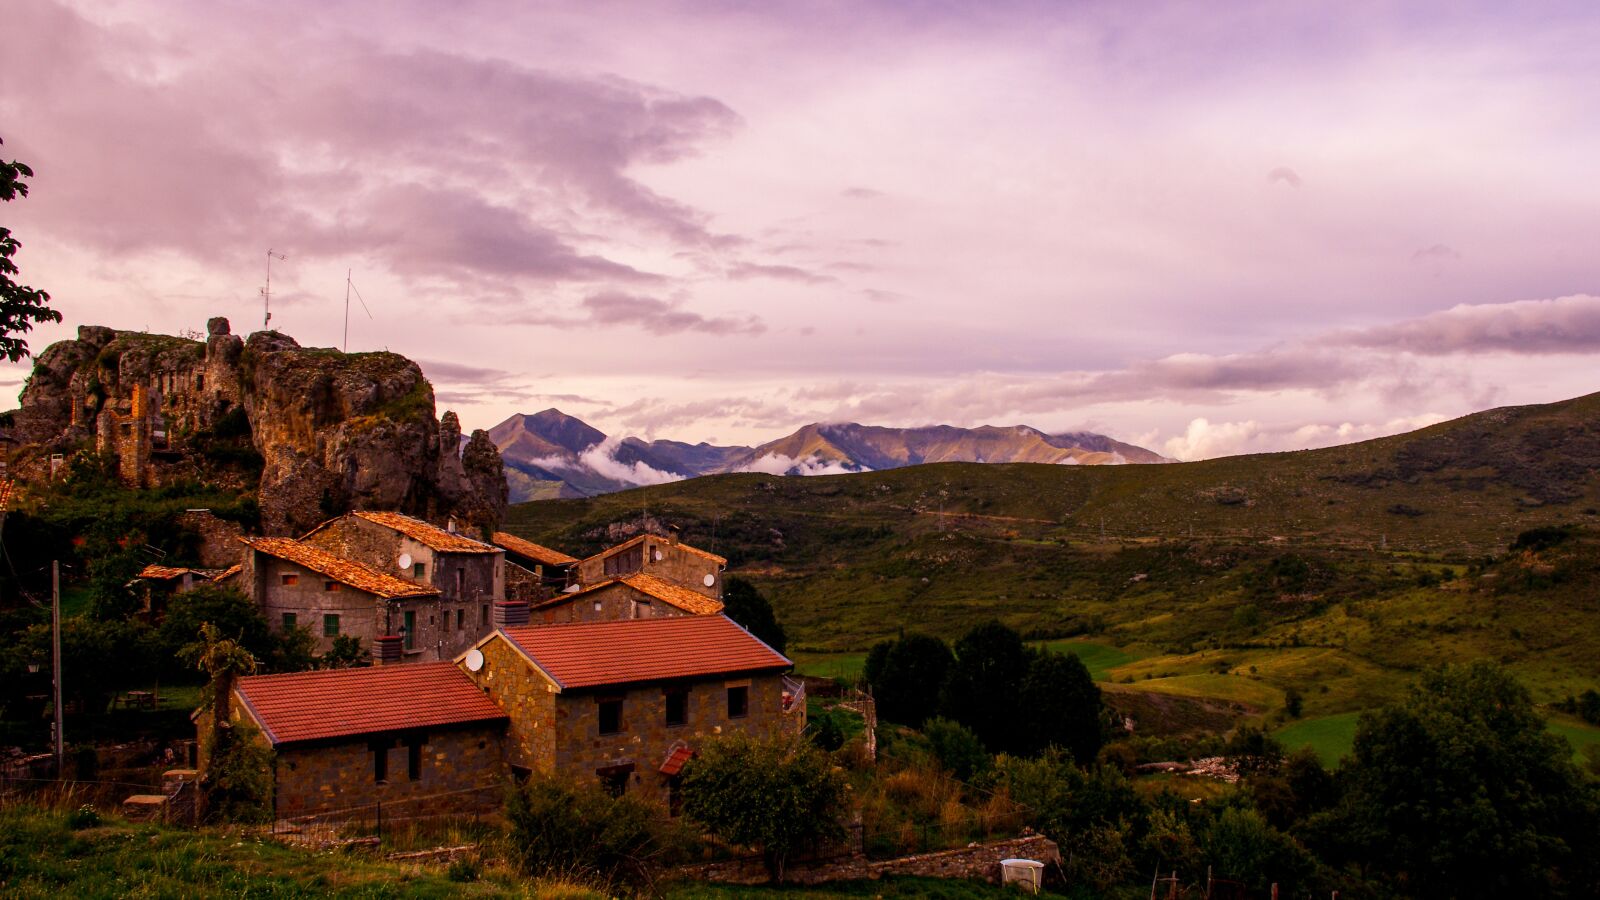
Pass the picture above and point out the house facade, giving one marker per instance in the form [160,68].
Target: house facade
[666,558]
[297,584]
[535,572]
[636,596]
[419,739]
[624,704]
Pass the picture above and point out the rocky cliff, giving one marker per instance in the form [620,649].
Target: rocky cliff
[317,432]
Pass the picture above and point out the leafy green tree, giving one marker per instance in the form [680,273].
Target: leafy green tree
[906,676]
[21,307]
[1092,814]
[957,748]
[824,730]
[1063,706]
[776,794]
[98,658]
[565,830]
[234,785]
[982,691]
[346,653]
[234,616]
[1459,791]
[1242,846]
[294,650]
[744,604]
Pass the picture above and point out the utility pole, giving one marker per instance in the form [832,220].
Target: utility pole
[55,664]
[266,292]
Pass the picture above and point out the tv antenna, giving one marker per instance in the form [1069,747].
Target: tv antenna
[266,292]
[348,287]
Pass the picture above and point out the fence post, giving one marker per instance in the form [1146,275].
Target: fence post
[380,824]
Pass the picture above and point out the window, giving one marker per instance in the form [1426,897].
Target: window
[461,582]
[289,621]
[199,382]
[414,759]
[614,779]
[289,578]
[461,619]
[411,630]
[483,614]
[380,762]
[738,702]
[332,586]
[677,701]
[419,570]
[330,625]
[610,716]
[598,606]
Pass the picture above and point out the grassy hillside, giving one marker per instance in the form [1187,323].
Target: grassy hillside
[1334,573]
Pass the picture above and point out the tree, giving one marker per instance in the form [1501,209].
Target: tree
[346,653]
[20,306]
[956,748]
[1063,707]
[906,676]
[982,690]
[561,829]
[1459,791]
[233,615]
[744,604]
[97,658]
[777,794]
[234,784]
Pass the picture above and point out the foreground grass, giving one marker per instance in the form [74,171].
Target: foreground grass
[935,888]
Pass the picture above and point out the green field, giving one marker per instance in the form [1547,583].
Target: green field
[1331,737]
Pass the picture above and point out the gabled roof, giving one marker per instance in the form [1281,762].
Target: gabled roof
[345,703]
[345,571]
[665,542]
[167,573]
[544,555]
[656,588]
[227,573]
[428,535]
[597,654]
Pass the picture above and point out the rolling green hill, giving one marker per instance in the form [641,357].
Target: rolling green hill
[1333,572]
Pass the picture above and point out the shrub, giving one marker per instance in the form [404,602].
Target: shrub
[564,830]
[83,817]
[958,750]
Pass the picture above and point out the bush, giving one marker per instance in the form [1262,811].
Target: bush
[83,817]
[564,830]
[464,869]
[958,750]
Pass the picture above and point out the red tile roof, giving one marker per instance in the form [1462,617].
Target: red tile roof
[167,573]
[427,534]
[665,542]
[227,573]
[345,571]
[695,604]
[675,760]
[341,703]
[593,654]
[544,555]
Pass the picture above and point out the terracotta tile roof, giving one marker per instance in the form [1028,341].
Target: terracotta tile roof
[345,571]
[696,551]
[428,535]
[675,760]
[691,602]
[544,555]
[593,654]
[336,703]
[227,573]
[167,573]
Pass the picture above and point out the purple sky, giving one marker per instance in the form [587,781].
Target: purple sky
[1203,229]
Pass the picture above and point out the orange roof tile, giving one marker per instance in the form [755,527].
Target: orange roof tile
[595,654]
[666,542]
[675,760]
[337,703]
[227,573]
[345,571]
[657,588]
[427,534]
[167,573]
[544,555]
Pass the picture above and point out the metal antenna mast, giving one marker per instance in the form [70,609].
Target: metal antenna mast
[266,292]
[349,286]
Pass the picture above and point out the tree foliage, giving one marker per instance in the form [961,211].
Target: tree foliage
[776,794]
[21,307]
[906,676]
[982,690]
[744,604]
[564,830]
[1459,791]
[1062,705]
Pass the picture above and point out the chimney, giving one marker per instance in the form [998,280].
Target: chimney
[387,649]
[673,532]
[450,526]
[508,613]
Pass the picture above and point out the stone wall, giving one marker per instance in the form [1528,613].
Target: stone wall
[980,861]
[219,545]
[615,602]
[361,615]
[676,565]
[524,695]
[465,766]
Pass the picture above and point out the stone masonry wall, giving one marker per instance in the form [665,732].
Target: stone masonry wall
[975,861]
[676,565]
[617,602]
[322,779]
[527,697]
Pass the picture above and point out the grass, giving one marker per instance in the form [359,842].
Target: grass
[1099,658]
[1332,737]
[934,888]
[1579,734]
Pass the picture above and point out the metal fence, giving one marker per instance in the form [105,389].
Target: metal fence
[450,817]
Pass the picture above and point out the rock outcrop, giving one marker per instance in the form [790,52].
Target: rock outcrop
[333,431]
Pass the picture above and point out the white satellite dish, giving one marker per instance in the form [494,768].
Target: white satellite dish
[710,580]
[404,560]
[474,659]
[659,556]
[572,589]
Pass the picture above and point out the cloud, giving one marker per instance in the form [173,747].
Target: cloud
[745,271]
[881,296]
[1527,327]
[779,464]
[460,372]
[861,193]
[612,308]
[602,458]
[1284,175]
[1435,253]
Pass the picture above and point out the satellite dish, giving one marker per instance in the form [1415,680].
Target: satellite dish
[710,580]
[474,659]
[405,560]
[659,557]
[572,589]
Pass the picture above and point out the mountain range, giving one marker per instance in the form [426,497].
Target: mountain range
[553,455]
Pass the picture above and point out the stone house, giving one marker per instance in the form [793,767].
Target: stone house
[666,558]
[419,739]
[624,703]
[158,583]
[298,584]
[533,571]
[467,574]
[636,596]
